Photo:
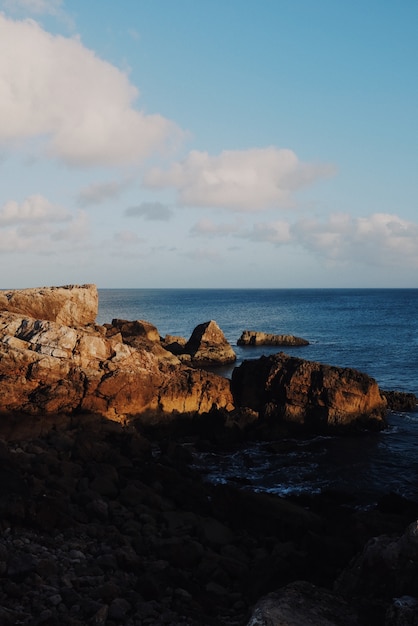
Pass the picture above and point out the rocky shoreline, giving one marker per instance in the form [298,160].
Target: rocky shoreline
[104,521]
[100,525]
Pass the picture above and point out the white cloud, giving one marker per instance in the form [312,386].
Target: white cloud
[209,228]
[35,208]
[36,225]
[153,211]
[247,180]
[380,239]
[55,88]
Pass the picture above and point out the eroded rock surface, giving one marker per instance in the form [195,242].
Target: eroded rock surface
[291,390]
[70,305]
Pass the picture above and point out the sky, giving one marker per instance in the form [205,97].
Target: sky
[209,143]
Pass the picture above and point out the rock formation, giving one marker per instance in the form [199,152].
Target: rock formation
[257,338]
[208,346]
[291,390]
[47,368]
[71,305]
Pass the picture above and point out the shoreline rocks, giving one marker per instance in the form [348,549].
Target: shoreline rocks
[99,525]
[257,338]
[284,389]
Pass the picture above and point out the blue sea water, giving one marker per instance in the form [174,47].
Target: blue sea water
[372,330]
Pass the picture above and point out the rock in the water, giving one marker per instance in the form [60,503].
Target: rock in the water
[209,346]
[316,396]
[401,401]
[71,305]
[257,338]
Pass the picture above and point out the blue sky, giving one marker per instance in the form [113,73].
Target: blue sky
[209,143]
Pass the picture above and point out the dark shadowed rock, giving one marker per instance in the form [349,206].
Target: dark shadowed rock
[284,389]
[300,604]
[401,401]
[257,338]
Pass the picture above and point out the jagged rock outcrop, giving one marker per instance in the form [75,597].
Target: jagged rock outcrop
[258,338]
[71,305]
[284,389]
[209,346]
[48,368]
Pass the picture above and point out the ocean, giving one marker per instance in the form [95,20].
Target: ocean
[372,330]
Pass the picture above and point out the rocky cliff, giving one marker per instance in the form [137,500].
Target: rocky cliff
[47,368]
[70,305]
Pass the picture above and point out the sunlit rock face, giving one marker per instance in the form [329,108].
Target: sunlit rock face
[292,390]
[47,368]
[209,346]
[71,305]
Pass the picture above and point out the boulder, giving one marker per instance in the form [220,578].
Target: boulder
[257,338]
[71,305]
[47,369]
[209,346]
[386,568]
[284,389]
[301,603]
[401,401]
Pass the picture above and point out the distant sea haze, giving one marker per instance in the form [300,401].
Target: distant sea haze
[372,330]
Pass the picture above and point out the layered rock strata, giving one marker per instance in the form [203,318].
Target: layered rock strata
[48,368]
[70,305]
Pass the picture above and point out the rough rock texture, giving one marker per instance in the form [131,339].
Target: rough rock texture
[174,344]
[257,338]
[71,305]
[48,368]
[386,568]
[208,345]
[141,335]
[300,604]
[100,527]
[287,389]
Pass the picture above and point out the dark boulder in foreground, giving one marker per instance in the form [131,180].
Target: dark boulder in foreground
[257,338]
[284,389]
